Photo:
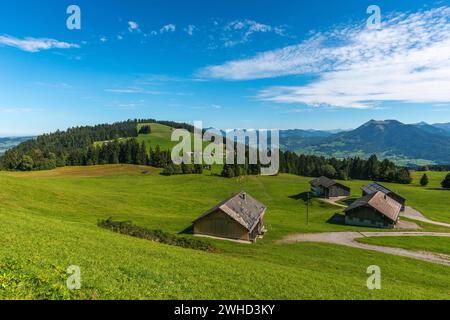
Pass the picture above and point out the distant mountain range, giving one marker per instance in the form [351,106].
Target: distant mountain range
[407,144]
[11,142]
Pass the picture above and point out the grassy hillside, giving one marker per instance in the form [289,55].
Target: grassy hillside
[49,222]
[160,135]
[430,244]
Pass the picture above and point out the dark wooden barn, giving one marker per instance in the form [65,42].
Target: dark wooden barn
[376,187]
[240,217]
[327,188]
[373,210]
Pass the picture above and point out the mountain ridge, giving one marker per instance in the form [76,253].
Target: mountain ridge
[412,144]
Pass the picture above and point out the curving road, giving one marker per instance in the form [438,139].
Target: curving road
[348,239]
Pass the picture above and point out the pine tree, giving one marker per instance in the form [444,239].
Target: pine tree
[424,180]
[143,156]
[169,170]
[227,171]
[198,169]
[446,182]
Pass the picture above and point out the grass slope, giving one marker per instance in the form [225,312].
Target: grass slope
[49,223]
[160,135]
[431,244]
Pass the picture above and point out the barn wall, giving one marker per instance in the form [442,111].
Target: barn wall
[219,224]
[317,191]
[337,191]
[367,217]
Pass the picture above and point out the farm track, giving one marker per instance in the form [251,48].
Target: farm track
[348,239]
[413,214]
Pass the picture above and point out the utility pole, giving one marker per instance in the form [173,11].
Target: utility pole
[307,210]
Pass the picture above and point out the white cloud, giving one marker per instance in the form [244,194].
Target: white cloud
[133,26]
[168,28]
[103,39]
[16,110]
[135,90]
[239,32]
[407,60]
[190,29]
[60,85]
[35,44]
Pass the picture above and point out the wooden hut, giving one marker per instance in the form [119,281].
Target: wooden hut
[240,217]
[327,188]
[373,210]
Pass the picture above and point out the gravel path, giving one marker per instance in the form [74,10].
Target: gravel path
[413,214]
[333,201]
[348,239]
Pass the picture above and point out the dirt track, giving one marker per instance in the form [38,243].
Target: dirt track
[348,239]
[413,214]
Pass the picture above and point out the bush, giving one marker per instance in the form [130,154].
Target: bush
[424,180]
[145,129]
[446,182]
[127,228]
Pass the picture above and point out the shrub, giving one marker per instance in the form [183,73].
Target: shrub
[424,180]
[128,228]
[145,129]
[446,182]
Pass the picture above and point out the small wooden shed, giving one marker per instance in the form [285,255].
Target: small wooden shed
[327,188]
[240,217]
[373,210]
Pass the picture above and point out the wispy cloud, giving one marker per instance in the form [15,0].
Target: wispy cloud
[168,28]
[241,31]
[59,85]
[17,110]
[190,29]
[35,44]
[133,26]
[407,60]
[134,90]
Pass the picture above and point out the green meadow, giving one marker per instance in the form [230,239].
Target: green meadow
[429,244]
[49,223]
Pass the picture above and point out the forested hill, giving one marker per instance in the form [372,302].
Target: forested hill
[75,146]
[53,150]
[134,142]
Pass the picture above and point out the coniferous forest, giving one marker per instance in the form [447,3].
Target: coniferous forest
[79,147]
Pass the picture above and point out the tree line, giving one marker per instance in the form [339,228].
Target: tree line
[63,148]
[77,146]
[343,169]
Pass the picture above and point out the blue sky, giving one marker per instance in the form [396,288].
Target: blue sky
[231,64]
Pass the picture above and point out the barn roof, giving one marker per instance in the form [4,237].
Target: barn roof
[242,208]
[325,182]
[380,202]
[376,187]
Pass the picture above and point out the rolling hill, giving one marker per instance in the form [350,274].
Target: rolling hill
[43,231]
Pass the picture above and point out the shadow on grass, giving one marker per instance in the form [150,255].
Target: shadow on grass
[337,219]
[301,196]
[347,201]
[188,230]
